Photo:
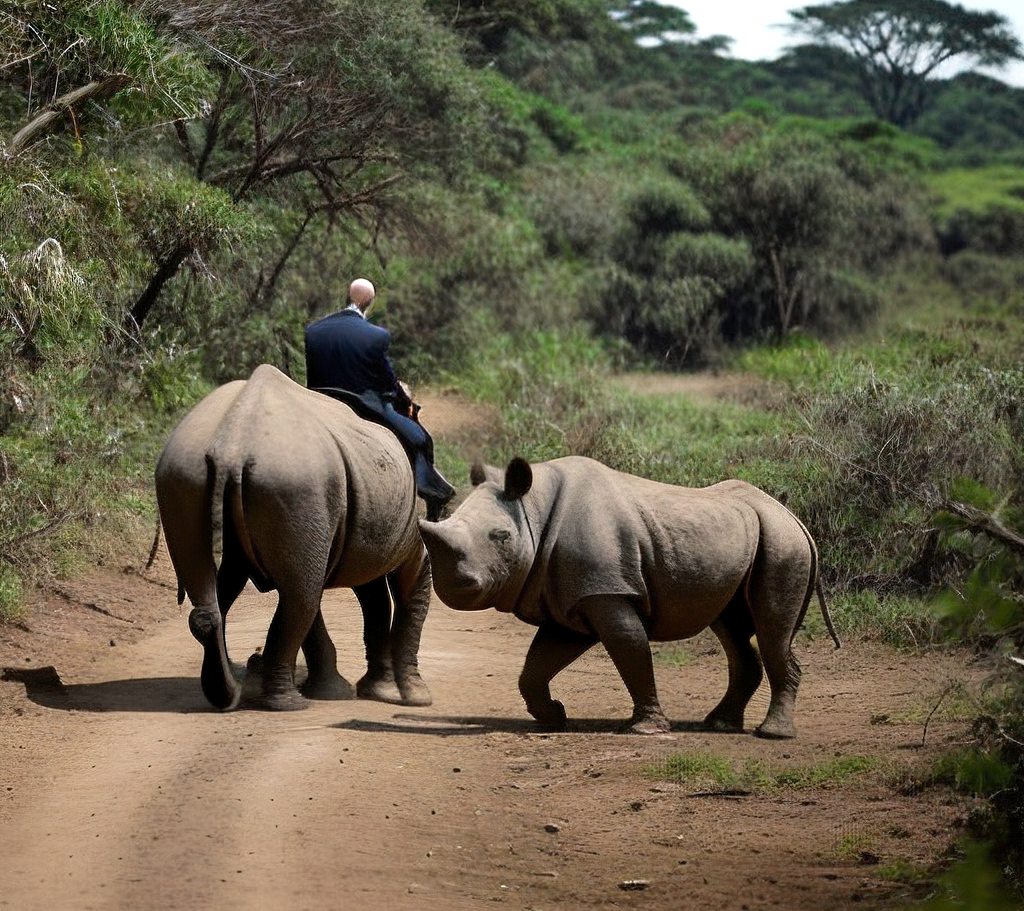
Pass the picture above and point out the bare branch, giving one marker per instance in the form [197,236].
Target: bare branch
[64,106]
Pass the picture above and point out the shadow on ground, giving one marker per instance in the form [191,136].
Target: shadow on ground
[156,694]
[461,726]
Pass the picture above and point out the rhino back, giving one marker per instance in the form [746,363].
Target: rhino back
[681,552]
[312,477]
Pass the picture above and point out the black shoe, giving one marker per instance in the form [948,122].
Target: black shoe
[436,509]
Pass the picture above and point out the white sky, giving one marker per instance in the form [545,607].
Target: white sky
[754,26]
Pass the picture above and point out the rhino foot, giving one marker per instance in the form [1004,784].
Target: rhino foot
[654,723]
[381,689]
[414,691]
[550,714]
[776,730]
[291,701]
[723,725]
[329,687]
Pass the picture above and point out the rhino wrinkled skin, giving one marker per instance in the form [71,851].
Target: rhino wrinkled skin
[588,554]
[304,495]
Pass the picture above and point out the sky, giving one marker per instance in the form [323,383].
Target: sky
[754,26]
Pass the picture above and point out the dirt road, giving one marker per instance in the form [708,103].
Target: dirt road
[121,789]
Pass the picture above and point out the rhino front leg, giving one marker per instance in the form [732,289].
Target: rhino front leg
[379,680]
[553,649]
[622,633]
[410,584]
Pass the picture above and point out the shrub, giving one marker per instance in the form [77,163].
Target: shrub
[997,229]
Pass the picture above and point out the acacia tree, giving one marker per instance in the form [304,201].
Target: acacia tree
[648,19]
[900,44]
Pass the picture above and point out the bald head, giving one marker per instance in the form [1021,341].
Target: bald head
[361,292]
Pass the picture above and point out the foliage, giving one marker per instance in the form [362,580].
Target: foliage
[900,45]
[49,50]
[552,47]
[757,238]
[756,775]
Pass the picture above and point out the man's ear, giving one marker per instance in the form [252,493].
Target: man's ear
[518,479]
[477,474]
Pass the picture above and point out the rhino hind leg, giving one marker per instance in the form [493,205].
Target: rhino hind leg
[220,687]
[297,609]
[323,680]
[779,596]
[378,683]
[784,676]
[734,628]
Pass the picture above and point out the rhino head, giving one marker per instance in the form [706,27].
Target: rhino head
[481,556]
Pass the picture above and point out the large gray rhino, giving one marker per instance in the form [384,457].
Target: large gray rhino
[305,496]
[589,554]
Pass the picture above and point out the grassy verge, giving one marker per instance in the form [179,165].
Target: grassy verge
[706,771]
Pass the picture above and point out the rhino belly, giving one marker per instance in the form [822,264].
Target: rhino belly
[684,616]
[687,598]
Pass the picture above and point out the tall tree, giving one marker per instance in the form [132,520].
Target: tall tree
[900,44]
[652,21]
[330,102]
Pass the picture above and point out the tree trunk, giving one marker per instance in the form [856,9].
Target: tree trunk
[166,270]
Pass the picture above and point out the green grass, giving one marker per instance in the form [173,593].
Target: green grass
[976,189]
[704,770]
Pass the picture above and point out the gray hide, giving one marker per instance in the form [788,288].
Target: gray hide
[590,554]
[304,496]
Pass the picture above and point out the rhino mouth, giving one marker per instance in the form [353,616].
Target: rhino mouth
[462,594]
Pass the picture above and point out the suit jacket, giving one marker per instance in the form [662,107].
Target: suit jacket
[345,351]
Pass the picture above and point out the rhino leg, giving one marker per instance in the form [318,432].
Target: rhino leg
[412,589]
[323,681]
[206,622]
[297,608]
[553,649]
[734,628]
[784,677]
[379,680]
[622,633]
[780,590]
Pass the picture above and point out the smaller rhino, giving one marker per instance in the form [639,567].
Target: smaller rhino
[589,554]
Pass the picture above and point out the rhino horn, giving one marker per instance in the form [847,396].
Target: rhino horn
[518,479]
[433,534]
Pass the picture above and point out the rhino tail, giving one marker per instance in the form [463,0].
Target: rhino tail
[815,585]
[227,515]
[826,616]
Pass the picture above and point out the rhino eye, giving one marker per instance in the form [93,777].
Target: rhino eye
[499,535]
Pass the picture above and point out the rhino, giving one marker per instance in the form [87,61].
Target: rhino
[588,554]
[303,495]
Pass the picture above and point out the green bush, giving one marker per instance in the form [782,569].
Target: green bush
[997,229]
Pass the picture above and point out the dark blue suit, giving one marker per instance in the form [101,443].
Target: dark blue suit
[346,353]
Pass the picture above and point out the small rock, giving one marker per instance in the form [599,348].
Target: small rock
[552,828]
[634,885]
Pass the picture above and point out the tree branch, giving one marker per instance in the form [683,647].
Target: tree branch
[63,107]
[979,521]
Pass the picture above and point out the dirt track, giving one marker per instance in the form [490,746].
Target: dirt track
[121,789]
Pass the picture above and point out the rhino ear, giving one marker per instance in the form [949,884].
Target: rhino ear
[518,479]
[477,474]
